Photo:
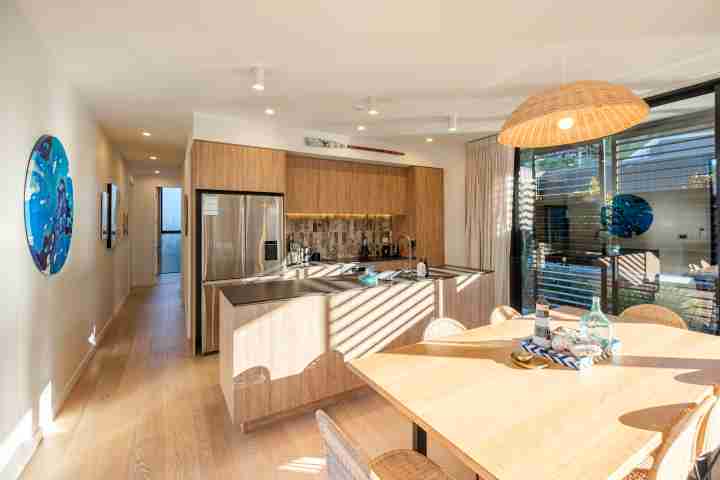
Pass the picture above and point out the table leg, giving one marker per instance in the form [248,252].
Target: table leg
[419,439]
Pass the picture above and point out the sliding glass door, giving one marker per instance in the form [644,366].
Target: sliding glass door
[630,218]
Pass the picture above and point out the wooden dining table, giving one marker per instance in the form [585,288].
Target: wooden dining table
[506,422]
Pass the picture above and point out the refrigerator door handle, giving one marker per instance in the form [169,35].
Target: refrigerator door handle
[204,252]
[242,234]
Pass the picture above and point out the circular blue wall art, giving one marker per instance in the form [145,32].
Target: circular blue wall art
[627,216]
[48,205]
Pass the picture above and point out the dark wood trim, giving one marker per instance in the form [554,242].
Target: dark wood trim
[419,439]
[516,240]
[198,271]
[715,217]
[684,93]
[238,192]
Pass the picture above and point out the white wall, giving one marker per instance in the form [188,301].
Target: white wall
[446,152]
[143,227]
[47,320]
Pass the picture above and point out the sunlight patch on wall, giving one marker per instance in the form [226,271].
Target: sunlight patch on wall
[46,412]
[22,433]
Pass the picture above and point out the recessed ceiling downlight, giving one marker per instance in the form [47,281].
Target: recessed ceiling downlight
[361,128]
[371,108]
[429,139]
[146,134]
[259,83]
[452,123]
[153,157]
[157,172]
[269,111]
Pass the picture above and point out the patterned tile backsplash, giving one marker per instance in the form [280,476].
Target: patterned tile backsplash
[340,237]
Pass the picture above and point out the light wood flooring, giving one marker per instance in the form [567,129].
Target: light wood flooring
[146,408]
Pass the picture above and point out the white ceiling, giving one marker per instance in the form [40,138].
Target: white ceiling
[150,64]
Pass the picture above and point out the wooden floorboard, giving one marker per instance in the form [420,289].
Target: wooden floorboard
[145,408]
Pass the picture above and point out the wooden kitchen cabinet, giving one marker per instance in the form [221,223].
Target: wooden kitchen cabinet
[430,220]
[334,185]
[302,185]
[395,184]
[222,166]
[337,187]
[365,189]
[425,220]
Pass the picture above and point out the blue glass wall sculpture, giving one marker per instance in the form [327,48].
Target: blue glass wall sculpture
[627,216]
[48,205]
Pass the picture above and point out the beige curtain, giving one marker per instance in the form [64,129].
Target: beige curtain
[488,210]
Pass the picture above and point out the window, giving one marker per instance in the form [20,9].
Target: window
[669,163]
[171,201]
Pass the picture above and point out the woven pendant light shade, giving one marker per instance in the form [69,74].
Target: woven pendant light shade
[597,109]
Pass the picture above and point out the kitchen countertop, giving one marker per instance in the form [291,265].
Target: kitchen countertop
[366,259]
[278,290]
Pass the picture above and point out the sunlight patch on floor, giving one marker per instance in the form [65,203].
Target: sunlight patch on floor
[309,465]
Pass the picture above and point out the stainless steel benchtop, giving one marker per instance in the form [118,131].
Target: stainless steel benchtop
[278,290]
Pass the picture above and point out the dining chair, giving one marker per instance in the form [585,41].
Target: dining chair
[502,313]
[345,461]
[443,327]
[675,457]
[710,427]
[649,313]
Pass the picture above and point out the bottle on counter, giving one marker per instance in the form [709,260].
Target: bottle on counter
[364,247]
[542,334]
[422,269]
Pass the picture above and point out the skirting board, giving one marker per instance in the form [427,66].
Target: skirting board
[57,405]
[23,453]
[21,457]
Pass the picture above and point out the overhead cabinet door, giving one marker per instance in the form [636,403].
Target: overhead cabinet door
[220,166]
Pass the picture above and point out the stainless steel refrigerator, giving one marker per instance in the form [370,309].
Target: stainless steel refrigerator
[241,235]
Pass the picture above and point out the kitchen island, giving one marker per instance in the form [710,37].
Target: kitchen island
[284,343]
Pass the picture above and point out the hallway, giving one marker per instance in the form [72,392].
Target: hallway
[146,408]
